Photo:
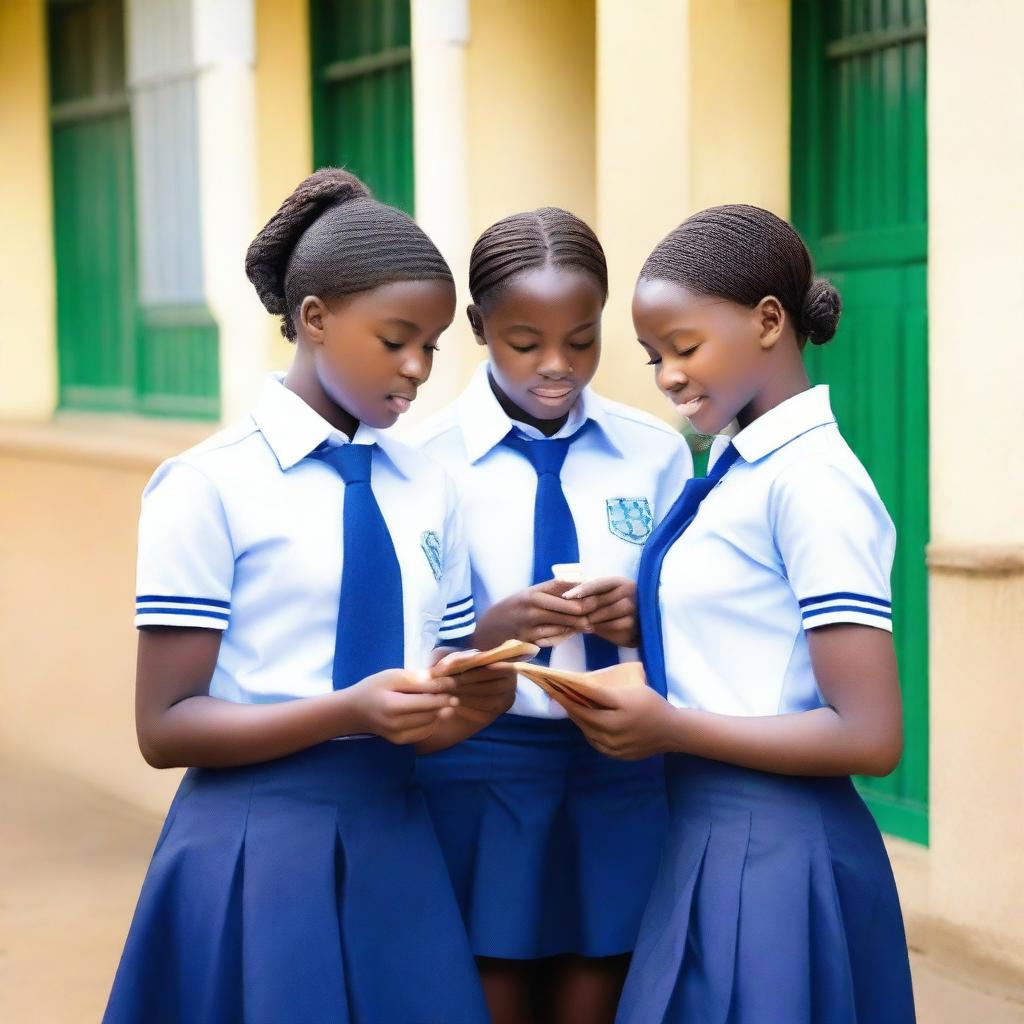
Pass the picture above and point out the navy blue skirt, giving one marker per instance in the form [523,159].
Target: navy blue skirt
[775,901]
[300,891]
[552,847]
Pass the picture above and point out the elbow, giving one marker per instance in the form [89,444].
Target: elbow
[882,756]
[153,752]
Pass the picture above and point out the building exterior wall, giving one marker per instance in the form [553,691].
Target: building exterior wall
[976,283]
[28,354]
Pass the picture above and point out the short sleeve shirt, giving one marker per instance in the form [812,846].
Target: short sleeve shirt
[619,481]
[244,534]
[794,537]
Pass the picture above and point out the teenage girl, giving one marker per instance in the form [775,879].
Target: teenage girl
[551,846]
[765,617]
[296,573]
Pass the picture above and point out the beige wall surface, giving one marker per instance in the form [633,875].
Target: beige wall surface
[975,287]
[28,353]
[530,97]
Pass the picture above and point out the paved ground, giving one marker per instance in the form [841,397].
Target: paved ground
[71,862]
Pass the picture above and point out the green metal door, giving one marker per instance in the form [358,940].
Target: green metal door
[93,208]
[859,198]
[362,93]
[114,352]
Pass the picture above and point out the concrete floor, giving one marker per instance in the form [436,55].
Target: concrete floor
[72,861]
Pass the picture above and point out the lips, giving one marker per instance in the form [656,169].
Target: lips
[400,403]
[691,406]
[553,394]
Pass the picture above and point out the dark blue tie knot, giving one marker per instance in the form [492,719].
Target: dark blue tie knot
[547,455]
[350,461]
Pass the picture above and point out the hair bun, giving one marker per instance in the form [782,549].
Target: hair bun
[267,259]
[820,314]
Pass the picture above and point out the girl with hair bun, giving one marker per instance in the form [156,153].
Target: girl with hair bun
[765,621]
[296,574]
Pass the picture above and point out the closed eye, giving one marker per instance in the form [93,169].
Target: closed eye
[582,346]
[688,351]
[392,346]
[522,348]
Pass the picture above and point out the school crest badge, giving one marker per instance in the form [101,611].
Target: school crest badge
[430,542]
[630,519]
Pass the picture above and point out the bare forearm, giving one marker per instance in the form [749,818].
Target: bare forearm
[206,732]
[817,742]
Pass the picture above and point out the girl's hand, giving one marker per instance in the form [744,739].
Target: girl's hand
[400,705]
[610,608]
[636,726]
[539,615]
[483,693]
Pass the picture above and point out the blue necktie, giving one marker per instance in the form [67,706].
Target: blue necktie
[370,636]
[554,530]
[668,531]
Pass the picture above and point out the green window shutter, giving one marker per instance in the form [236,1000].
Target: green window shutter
[114,352]
[362,93]
[859,197]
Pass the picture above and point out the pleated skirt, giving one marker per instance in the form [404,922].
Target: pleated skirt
[305,890]
[774,904]
[552,847]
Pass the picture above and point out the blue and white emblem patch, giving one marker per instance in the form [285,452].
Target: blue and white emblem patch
[630,518]
[431,544]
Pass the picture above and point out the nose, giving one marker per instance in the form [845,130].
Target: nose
[671,378]
[555,364]
[416,367]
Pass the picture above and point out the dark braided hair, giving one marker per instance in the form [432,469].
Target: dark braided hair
[331,238]
[743,253]
[527,241]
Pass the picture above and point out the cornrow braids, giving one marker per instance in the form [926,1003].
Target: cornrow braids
[743,253]
[331,238]
[526,241]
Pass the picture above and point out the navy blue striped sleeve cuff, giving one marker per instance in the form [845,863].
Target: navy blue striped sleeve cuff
[846,606]
[459,620]
[176,610]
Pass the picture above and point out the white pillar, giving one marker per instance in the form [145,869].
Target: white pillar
[223,37]
[440,34]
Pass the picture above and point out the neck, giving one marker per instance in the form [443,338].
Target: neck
[547,427]
[783,386]
[302,378]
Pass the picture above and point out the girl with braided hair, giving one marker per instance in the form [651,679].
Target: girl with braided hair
[551,846]
[765,616]
[296,573]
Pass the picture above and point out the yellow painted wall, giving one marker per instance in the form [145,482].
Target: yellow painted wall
[284,121]
[693,110]
[739,103]
[530,113]
[28,353]
[976,366]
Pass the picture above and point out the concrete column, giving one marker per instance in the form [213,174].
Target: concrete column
[976,558]
[223,37]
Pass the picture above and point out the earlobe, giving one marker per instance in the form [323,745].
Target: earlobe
[476,323]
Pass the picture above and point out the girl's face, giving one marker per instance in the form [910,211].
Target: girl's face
[543,334]
[373,350]
[713,358]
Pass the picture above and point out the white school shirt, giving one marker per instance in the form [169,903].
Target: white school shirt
[619,481]
[243,533]
[794,536]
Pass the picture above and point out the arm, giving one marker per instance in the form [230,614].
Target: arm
[859,732]
[179,724]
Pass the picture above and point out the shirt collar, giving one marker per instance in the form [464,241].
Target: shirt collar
[484,423]
[293,429]
[788,420]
